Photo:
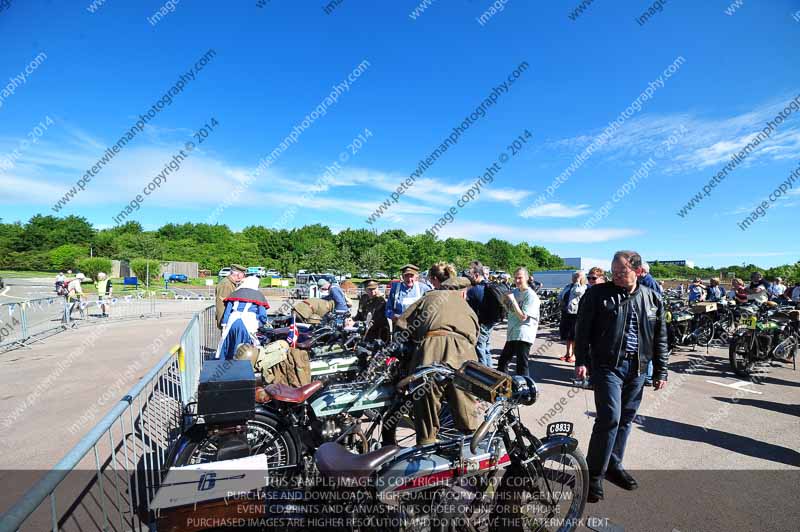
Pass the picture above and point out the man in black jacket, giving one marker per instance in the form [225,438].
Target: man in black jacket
[620,328]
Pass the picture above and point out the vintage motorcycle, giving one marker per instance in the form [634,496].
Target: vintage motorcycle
[686,327]
[500,478]
[332,349]
[288,424]
[764,333]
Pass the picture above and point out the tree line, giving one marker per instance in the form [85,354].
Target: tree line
[49,243]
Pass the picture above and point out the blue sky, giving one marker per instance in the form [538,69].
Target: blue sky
[274,65]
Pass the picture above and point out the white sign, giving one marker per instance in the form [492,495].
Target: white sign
[210,482]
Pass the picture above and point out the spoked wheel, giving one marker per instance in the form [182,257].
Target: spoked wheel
[264,436]
[704,331]
[739,354]
[786,349]
[447,429]
[552,499]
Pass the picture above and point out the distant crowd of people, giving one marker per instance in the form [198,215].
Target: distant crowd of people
[759,290]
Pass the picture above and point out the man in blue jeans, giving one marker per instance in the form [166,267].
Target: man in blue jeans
[620,328]
[475,296]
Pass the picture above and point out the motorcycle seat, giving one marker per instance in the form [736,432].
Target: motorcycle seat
[335,461]
[305,345]
[290,394]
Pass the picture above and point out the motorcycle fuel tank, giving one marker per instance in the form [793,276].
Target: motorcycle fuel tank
[415,469]
[348,398]
[322,367]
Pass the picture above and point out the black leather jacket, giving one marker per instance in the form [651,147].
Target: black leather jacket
[600,333]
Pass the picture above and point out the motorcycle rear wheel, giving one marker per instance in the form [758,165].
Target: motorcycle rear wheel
[522,502]
[282,452]
[704,331]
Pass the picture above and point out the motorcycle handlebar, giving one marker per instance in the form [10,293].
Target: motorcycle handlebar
[423,373]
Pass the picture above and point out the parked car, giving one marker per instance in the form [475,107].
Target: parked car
[256,270]
[272,273]
[177,278]
[224,272]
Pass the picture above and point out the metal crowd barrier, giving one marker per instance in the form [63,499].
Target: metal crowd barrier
[28,320]
[107,481]
[31,320]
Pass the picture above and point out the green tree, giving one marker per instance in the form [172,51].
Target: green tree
[140,268]
[358,240]
[546,260]
[372,260]
[460,252]
[91,266]
[343,261]
[320,257]
[47,232]
[501,254]
[424,250]
[66,257]
[395,255]
[272,244]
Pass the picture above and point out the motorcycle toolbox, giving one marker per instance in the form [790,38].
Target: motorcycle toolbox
[226,391]
[702,308]
[482,382]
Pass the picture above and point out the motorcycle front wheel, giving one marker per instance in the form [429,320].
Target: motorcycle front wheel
[739,353]
[552,499]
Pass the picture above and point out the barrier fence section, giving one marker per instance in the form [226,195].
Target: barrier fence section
[31,320]
[26,320]
[107,481]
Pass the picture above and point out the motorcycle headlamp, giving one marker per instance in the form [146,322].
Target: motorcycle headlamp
[523,390]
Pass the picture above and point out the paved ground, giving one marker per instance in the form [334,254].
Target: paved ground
[731,476]
[740,472]
[17,289]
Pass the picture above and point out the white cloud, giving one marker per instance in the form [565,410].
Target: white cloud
[555,210]
[690,141]
[511,195]
[45,173]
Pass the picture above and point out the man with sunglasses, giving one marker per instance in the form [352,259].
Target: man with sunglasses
[620,328]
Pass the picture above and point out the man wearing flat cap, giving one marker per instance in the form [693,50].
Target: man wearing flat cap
[371,302]
[225,288]
[405,293]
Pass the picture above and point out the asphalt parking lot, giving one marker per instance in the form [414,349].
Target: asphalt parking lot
[711,452]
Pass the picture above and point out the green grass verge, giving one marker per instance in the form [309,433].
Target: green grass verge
[16,273]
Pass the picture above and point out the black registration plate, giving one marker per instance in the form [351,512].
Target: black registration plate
[559,428]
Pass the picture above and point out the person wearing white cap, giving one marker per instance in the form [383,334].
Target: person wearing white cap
[75,294]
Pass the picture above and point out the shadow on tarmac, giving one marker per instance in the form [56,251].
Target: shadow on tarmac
[791,410]
[724,440]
